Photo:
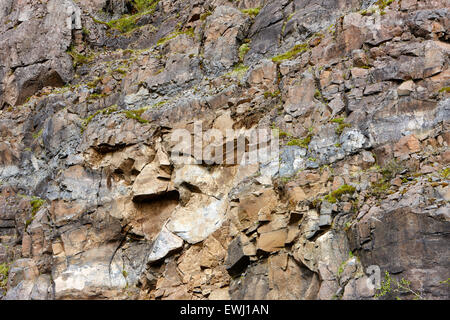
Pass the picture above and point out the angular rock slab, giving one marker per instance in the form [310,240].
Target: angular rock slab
[224,28]
[291,160]
[151,182]
[272,241]
[165,243]
[198,219]
[92,275]
[236,260]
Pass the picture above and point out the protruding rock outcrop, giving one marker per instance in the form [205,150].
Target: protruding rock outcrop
[224,149]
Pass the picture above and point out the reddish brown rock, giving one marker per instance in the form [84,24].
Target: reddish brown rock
[406,146]
[272,241]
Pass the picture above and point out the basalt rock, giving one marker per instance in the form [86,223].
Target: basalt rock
[130,168]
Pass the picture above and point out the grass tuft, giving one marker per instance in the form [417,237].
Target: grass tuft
[136,115]
[36,203]
[252,12]
[292,53]
[78,58]
[243,49]
[4,272]
[106,111]
[335,195]
[128,23]
[173,35]
[303,143]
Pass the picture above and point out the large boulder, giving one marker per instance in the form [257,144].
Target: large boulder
[34,40]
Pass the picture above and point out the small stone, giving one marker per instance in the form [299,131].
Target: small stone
[288,118]
[373,88]
[347,207]
[296,195]
[440,140]
[406,146]
[164,244]
[444,192]
[219,294]
[311,164]
[325,220]
[326,208]
[337,182]
[396,182]
[337,105]
[249,249]
[446,156]
[151,182]
[57,248]
[406,88]
[427,169]
[359,58]
[26,245]
[367,157]
[264,215]
[359,72]
[315,42]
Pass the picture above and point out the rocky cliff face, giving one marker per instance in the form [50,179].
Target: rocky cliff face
[93,95]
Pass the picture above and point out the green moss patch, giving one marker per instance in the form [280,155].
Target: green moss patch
[341,125]
[292,53]
[4,272]
[145,5]
[124,24]
[205,15]
[336,195]
[106,111]
[78,58]
[303,143]
[239,71]
[445,173]
[38,134]
[252,12]
[36,203]
[173,35]
[136,115]
[128,23]
[269,94]
[243,49]
[383,3]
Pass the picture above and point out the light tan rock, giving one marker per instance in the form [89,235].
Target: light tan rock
[264,76]
[165,242]
[289,281]
[223,30]
[212,254]
[219,294]
[272,241]
[64,211]
[406,88]
[151,182]
[406,146]
[296,195]
[359,72]
[446,156]
[201,216]
[250,206]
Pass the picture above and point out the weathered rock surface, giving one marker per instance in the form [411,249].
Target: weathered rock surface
[95,95]
[34,39]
